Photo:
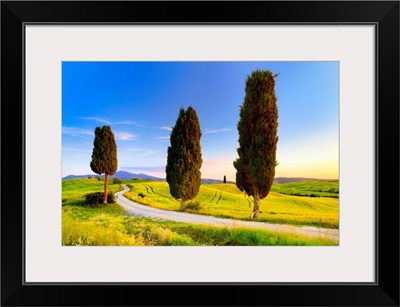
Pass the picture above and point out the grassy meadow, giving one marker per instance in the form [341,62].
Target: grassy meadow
[310,188]
[227,201]
[108,225]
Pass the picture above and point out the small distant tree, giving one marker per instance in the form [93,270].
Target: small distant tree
[184,157]
[224,179]
[116,181]
[257,127]
[104,156]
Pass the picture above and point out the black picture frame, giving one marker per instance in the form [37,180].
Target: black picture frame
[383,14]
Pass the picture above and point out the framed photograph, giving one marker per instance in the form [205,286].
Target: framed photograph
[244,148]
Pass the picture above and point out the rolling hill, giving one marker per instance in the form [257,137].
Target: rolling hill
[124,175]
[300,179]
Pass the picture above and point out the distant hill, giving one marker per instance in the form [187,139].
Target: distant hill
[299,179]
[210,181]
[276,180]
[123,175]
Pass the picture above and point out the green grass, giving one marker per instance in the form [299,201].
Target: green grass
[227,201]
[109,225]
[307,188]
[99,231]
[76,189]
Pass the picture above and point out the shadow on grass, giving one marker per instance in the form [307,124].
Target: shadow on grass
[82,203]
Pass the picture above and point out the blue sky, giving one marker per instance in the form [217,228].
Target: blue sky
[141,102]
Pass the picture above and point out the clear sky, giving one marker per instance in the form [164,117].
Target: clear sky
[141,102]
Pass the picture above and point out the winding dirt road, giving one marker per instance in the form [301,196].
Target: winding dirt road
[146,211]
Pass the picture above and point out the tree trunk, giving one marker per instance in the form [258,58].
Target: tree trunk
[256,209]
[105,188]
[182,204]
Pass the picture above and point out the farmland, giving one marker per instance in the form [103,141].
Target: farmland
[227,201]
[110,225]
[73,190]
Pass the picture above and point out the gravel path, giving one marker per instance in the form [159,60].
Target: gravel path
[146,211]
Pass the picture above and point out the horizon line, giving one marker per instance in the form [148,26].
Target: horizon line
[293,177]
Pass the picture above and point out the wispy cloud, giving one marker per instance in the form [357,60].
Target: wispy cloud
[125,122]
[107,122]
[98,119]
[217,130]
[85,133]
[166,128]
[74,131]
[124,136]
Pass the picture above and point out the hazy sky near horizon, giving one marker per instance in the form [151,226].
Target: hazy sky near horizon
[141,102]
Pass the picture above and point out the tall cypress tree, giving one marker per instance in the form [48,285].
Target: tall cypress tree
[184,157]
[257,128]
[104,156]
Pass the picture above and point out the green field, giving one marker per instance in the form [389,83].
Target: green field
[75,189]
[308,188]
[107,225]
[227,201]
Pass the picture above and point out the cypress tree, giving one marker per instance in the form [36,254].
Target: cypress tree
[224,179]
[104,155]
[184,157]
[257,128]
